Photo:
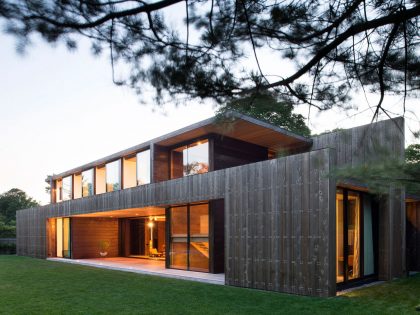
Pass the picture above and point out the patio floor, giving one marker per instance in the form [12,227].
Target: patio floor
[145,266]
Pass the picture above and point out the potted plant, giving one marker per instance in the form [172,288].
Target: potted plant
[103,248]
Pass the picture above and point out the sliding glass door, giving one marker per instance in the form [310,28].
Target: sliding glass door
[63,238]
[189,237]
[355,246]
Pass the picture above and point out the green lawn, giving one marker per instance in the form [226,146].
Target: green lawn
[34,286]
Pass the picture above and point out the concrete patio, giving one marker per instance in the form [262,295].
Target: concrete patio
[145,266]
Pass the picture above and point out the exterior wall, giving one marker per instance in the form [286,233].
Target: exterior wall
[280,229]
[228,152]
[374,143]
[88,232]
[413,236]
[279,220]
[279,215]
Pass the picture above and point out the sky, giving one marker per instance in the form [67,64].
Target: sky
[60,110]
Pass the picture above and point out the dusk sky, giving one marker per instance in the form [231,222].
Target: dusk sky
[60,109]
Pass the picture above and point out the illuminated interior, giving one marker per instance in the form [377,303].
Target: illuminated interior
[189,249]
[354,228]
[190,159]
[129,172]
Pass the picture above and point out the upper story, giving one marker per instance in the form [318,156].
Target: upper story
[206,146]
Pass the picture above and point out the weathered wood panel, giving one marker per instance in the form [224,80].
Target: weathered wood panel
[371,144]
[413,236]
[266,244]
[88,232]
[159,163]
[261,256]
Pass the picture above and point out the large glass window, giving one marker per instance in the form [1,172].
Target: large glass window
[143,167]
[354,235]
[87,183]
[190,159]
[190,237]
[67,188]
[113,176]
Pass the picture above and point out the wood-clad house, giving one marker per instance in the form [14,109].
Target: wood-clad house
[247,199]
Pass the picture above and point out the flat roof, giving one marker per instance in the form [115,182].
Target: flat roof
[233,125]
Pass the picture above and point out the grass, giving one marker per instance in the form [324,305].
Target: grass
[34,286]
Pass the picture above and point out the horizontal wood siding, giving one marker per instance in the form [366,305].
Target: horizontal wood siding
[88,232]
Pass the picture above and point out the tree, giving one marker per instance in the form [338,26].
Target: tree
[412,154]
[337,47]
[11,201]
[379,175]
[266,106]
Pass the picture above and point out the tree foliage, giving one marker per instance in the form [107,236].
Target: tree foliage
[412,154]
[337,47]
[378,176]
[267,107]
[11,201]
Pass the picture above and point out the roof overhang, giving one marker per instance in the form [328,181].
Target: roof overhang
[232,124]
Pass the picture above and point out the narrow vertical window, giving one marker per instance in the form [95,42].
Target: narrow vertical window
[58,190]
[113,176]
[67,188]
[77,185]
[143,167]
[87,183]
[129,169]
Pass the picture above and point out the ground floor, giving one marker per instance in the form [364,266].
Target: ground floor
[188,239]
[183,237]
[279,225]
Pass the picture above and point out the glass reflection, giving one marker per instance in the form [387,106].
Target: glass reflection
[67,188]
[87,183]
[113,176]
[190,159]
[143,167]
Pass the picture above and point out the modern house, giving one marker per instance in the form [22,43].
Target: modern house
[243,198]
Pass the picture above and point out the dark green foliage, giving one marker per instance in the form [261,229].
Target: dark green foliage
[269,108]
[337,46]
[35,286]
[7,248]
[11,201]
[412,154]
[379,175]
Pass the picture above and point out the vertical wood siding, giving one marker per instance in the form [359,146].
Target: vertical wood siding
[371,144]
[279,214]
[278,219]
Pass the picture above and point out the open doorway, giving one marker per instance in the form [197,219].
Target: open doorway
[147,237]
